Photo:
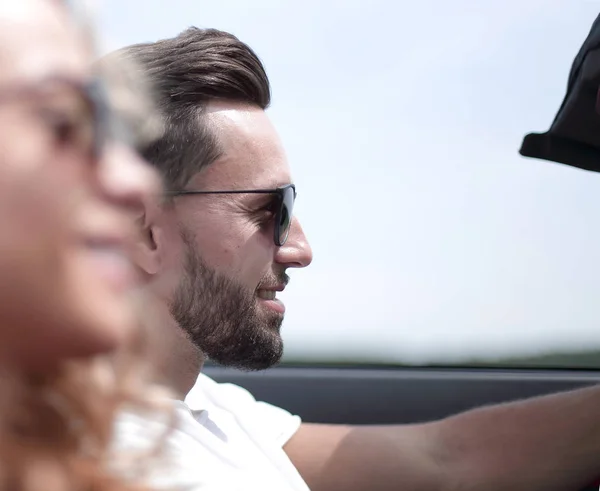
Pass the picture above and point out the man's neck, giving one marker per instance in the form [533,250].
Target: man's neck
[179,361]
[182,365]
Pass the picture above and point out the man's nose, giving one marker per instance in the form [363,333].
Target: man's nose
[125,178]
[296,252]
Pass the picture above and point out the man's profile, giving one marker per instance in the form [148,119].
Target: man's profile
[215,258]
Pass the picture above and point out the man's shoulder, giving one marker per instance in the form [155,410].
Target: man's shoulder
[209,393]
[236,438]
[274,423]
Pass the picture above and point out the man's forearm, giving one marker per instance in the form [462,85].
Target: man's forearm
[355,458]
[545,443]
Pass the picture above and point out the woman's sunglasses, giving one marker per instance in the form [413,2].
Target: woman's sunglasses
[76,113]
[284,206]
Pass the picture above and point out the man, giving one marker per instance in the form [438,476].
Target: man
[216,254]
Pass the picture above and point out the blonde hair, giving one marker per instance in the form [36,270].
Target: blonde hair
[56,428]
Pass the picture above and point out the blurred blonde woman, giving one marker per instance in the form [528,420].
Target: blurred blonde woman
[72,353]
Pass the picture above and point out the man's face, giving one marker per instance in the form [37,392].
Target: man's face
[222,252]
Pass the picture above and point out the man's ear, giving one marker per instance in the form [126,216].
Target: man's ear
[148,244]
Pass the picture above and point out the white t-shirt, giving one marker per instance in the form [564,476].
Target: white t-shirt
[224,440]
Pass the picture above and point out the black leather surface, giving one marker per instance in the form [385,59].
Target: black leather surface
[574,136]
[380,396]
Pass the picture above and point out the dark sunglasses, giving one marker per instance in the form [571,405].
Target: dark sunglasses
[286,196]
[77,113]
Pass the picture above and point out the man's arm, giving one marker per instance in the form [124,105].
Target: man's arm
[547,443]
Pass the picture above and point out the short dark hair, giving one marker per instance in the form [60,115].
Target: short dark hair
[187,72]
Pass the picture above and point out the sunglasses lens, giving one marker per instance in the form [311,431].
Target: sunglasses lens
[285,214]
[101,115]
[68,116]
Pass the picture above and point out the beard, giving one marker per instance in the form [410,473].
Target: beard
[221,317]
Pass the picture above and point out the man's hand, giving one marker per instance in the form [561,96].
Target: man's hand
[547,443]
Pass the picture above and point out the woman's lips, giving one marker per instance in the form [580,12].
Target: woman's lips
[111,262]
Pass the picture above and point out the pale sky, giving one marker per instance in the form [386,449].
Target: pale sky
[433,239]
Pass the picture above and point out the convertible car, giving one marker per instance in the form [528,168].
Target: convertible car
[345,394]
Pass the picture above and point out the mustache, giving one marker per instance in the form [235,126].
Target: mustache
[274,279]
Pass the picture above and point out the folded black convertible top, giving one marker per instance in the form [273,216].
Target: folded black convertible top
[574,136]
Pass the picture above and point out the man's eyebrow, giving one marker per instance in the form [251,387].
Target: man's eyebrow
[276,184]
[259,190]
[258,197]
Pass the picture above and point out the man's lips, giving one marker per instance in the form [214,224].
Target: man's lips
[269,292]
[274,288]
